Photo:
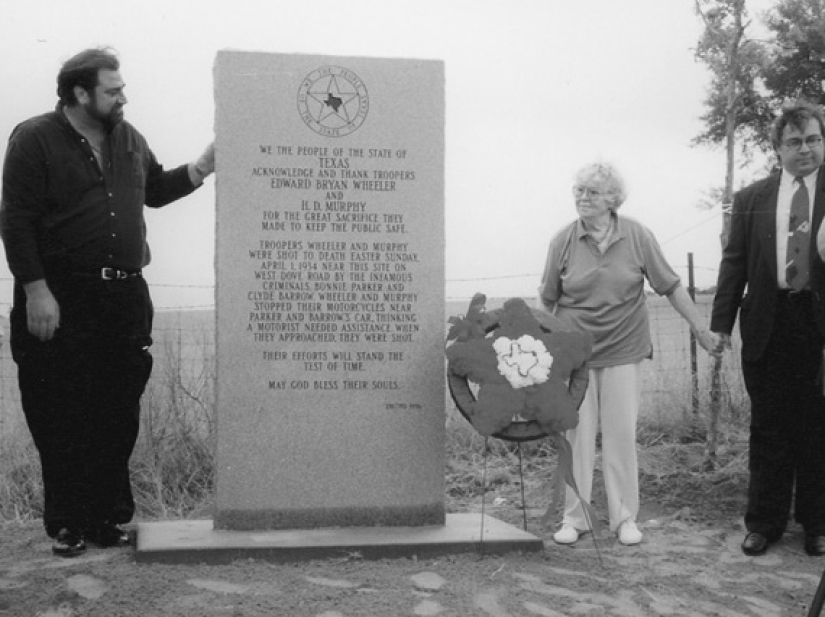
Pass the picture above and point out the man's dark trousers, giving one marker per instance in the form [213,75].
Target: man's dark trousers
[81,394]
[787,423]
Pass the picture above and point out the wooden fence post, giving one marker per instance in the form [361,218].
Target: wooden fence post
[694,365]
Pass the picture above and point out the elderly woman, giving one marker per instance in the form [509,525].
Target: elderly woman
[594,281]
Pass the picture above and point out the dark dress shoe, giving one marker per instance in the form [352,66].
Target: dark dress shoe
[815,545]
[106,535]
[69,543]
[755,544]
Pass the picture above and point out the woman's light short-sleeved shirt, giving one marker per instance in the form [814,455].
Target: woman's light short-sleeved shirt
[603,293]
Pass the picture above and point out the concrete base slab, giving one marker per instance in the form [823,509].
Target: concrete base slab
[181,542]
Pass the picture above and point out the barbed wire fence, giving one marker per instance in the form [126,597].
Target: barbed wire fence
[676,387]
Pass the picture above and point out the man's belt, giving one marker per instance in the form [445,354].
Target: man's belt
[800,294]
[111,274]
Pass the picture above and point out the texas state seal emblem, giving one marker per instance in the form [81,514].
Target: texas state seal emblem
[333,101]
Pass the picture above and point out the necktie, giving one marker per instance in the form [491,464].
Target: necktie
[799,238]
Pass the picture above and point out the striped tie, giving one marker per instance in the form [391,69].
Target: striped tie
[799,239]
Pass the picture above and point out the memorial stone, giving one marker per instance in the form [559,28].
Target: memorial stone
[329,291]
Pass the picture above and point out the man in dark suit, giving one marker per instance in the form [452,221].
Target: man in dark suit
[772,276]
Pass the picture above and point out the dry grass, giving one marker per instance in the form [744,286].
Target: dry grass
[21,487]
[173,465]
[675,471]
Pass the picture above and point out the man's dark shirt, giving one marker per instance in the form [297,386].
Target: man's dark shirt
[60,208]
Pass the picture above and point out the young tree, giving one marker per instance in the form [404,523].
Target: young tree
[736,111]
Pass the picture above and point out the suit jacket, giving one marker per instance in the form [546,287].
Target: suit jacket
[747,275]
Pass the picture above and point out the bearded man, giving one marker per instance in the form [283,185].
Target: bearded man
[75,182]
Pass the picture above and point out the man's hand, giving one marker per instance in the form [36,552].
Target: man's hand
[42,310]
[204,166]
[723,343]
[206,161]
[711,342]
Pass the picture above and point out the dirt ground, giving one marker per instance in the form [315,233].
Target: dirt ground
[687,564]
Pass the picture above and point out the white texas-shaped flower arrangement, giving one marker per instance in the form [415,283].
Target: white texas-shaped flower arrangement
[524,361]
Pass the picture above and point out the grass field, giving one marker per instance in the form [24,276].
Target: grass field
[173,464]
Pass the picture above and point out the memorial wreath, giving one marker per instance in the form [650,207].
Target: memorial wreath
[519,374]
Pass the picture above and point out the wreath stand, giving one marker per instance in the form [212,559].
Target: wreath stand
[520,430]
[819,599]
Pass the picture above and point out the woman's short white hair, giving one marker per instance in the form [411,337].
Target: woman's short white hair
[608,177]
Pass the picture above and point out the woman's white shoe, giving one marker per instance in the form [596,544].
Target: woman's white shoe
[566,535]
[629,534]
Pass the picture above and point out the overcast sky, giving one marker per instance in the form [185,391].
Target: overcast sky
[535,89]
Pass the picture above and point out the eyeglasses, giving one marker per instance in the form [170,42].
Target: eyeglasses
[580,191]
[795,143]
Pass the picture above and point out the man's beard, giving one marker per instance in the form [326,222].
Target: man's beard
[108,120]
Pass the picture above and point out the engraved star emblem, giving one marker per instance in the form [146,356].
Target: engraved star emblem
[333,95]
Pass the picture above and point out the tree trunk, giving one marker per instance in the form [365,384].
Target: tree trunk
[727,200]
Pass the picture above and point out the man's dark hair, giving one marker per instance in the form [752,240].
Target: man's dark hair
[796,114]
[82,70]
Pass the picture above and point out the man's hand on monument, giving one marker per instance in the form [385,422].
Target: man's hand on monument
[42,310]
[204,166]
[206,161]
